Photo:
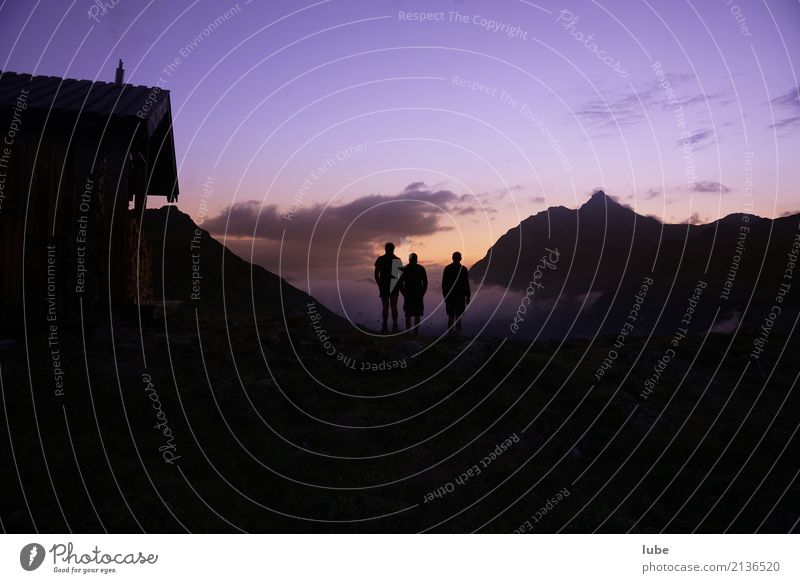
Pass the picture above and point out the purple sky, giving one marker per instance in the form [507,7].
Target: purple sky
[479,124]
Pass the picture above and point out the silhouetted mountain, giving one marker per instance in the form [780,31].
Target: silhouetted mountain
[596,243]
[607,250]
[190,265]
[741,260]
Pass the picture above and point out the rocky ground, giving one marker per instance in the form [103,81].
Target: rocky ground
[208,425]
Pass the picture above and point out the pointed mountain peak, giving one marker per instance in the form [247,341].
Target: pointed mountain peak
[600,199]
[600,205]
[600,202]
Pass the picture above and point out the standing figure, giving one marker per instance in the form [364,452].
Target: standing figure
[455,289]
[387,274]
[413,285]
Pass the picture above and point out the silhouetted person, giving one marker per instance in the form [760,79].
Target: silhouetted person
[387,274]
[413,285]
[455,289]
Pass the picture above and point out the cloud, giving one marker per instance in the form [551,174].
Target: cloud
[786,122]
[694,219]
[790,213]
[699,98]
[414,186]
[710,186]
[326,237]
[790,103]
[631,108]
[515,188]
[624,112]
[652,193]
[502,192]
[697,138]
[537,199]
[789,99]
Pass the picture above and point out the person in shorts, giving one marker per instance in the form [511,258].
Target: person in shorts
[387,274]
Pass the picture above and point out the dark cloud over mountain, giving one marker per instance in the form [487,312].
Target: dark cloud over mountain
[343,235]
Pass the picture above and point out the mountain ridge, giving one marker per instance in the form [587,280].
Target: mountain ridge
[608,249]
[191,266]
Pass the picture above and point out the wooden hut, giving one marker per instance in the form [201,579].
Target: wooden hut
[78,160]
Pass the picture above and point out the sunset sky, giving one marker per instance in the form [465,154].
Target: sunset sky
[346,123]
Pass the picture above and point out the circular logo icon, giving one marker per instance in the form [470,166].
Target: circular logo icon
[31,556]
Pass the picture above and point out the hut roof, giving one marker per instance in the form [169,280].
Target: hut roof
[120,101]
[86,97]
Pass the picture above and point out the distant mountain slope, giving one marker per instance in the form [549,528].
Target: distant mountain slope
[190,265]
[607,251]
[742,263]
[604,237]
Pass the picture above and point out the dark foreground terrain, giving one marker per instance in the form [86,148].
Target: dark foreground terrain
[276,416]
[260,446]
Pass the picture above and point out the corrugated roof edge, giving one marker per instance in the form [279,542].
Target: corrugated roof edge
[12,83]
